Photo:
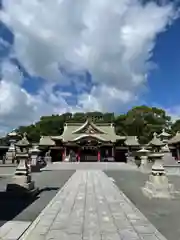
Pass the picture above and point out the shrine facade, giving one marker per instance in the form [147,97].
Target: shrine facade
[91,142]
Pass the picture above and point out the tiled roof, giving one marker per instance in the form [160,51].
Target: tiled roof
[46,141]
[175,139]
[103,132]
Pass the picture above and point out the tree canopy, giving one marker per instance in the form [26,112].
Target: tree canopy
[139,121]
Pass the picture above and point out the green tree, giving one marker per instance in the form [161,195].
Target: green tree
[139,121]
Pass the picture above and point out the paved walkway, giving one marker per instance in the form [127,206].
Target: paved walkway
[90,166]
[91,207]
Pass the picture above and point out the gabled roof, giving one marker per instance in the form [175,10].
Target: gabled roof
[103,132]
[89,124]
[86,135]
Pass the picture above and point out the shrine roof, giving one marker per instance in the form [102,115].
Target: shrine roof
[103,132]
[46,141]
[175,139]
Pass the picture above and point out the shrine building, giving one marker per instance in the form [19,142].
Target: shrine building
[89,142]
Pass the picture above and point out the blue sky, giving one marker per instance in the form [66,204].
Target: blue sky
[164,81]
[90,58]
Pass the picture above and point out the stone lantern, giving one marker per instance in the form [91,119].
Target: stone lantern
[158,186]
[10,155]
[156,143]
[143,154]
[21,182]
[164,136]
[34,153]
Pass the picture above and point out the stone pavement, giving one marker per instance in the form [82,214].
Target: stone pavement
[90,166]
[13,229]
[91,207]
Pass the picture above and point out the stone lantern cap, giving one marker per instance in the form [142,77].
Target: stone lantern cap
[143,150]
[164,134]
[13,134]
[23,142]
[156,155]
[156,141]
[35,149]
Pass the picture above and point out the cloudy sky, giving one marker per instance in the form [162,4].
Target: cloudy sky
[77,55]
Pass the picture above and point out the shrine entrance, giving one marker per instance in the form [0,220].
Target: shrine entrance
[89,155]
[88,147]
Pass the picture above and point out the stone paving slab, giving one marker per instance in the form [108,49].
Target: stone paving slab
[91,207]
[12,230]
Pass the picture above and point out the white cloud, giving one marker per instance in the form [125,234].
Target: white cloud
[174,112]
[112,39]
[18,107]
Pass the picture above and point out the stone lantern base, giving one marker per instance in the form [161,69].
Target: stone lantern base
[21,184]
[158,187]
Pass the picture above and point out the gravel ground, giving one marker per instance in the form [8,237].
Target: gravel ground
[18,209]
[164,214]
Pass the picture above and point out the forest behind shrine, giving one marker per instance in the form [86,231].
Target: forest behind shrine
[140,121]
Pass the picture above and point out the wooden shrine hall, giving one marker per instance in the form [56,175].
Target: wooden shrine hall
[89,142]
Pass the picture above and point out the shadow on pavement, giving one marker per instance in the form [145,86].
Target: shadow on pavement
[11,206]
[47,189]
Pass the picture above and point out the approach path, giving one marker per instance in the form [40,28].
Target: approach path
[91,207]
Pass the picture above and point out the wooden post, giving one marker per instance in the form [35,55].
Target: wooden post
[99,156]
[64,154]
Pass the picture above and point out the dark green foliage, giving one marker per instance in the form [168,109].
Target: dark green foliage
[141,121]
